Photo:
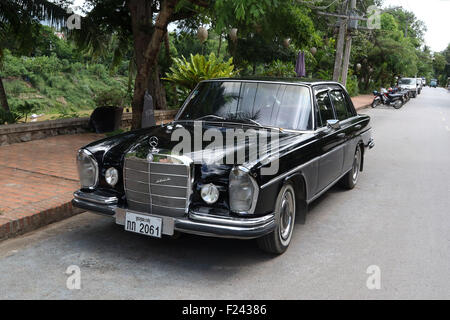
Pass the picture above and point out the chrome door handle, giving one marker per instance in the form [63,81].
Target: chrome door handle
[358,126]
[340,135]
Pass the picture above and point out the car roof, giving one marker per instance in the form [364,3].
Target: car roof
[304,81]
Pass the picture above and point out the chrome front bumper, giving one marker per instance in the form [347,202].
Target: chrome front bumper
[194,222]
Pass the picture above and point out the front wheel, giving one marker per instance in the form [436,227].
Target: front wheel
[278,240]
[351,178]
[398,104]
[375,103]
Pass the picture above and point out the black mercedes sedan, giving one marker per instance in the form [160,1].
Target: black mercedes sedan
[243,158]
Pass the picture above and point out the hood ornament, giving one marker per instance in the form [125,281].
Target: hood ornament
[153,141]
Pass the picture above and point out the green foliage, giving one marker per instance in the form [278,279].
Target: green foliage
[8,117]
[60,86]
[279,68]
[390,52]
[352,85]
[232,12]
[65,113]
[110,97]
[26,107]
[188,73]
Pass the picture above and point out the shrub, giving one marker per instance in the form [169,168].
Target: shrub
[14,87]
[26,107]
[279,68]
[352,85]
[188,73]
[110,97]
[7,117]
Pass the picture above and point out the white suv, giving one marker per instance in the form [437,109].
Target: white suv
[409,84]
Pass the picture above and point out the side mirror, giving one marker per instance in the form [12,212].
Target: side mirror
[333,124]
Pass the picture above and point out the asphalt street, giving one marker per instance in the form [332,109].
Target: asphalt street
[396,220]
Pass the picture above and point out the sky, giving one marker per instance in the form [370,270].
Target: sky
[435,14]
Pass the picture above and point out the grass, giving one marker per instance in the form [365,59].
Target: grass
[57,89]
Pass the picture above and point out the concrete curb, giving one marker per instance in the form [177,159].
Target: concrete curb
[363,106]
[9,229]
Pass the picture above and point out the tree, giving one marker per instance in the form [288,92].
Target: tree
[19,18]
[145,22]
[387,52]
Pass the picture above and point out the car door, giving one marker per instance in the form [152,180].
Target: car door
[330,141]
[347,117]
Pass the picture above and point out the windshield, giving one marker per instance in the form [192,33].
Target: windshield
[406,81]
[268,104]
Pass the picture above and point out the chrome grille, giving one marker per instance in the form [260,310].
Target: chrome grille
[157,187]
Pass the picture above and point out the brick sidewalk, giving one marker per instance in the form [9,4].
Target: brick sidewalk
[362,101]
[37,179]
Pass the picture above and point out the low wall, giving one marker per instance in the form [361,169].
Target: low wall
[23,132]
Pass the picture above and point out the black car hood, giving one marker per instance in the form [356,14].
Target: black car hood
[112,150]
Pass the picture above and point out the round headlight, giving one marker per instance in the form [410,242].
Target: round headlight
[209,193]
[112,176]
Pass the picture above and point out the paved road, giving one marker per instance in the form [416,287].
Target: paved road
[397,218]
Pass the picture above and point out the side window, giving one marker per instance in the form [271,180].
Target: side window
[340,105]
[325,107]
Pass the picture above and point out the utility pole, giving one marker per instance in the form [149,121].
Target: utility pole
[348,47]
[340,44]
[342,58]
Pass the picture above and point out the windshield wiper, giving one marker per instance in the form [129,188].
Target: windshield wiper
[211,116]
[253,121]
[225,119]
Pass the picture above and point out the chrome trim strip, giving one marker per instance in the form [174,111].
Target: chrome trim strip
[135,201]
[175,208]
[167,185]
[170,174]
[153,193]
[138,181]
[157,195]
[91,197]
[154,205]
[219,231]
[160,173]
[248,222]
[161,196]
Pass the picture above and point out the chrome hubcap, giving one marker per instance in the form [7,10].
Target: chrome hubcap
[287,211]
[356,162]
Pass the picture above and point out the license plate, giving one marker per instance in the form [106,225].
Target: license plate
[143,224]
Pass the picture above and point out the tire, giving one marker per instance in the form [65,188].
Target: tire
[375,103]
[414,94]
[398,104]
[351,178]
[279,239]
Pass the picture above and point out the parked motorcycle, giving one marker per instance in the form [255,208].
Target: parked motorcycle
[399,90]
[395,100]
